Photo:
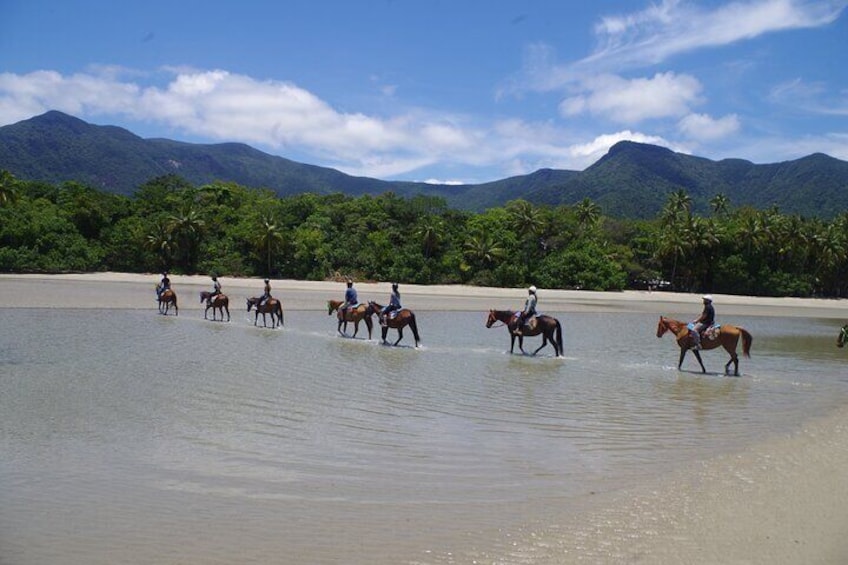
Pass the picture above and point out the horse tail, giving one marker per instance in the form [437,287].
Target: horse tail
[559,338]
[280,312]
[746,342]
[414,328]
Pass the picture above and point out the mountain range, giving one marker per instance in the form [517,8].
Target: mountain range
[632,180]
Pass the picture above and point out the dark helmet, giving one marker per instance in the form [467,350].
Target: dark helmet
[394,286]
[349,282]
[214,278]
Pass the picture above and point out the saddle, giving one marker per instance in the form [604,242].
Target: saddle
[709,334]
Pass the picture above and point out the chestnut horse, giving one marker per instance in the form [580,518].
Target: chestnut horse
[843,336]
[355,315]
[219,302]
[548,326]
[728,337]
[271,306]
[166,298]
[398,320]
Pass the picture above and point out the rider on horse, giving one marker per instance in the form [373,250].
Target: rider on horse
[164,284]
[351,300]
[529,310]
[704,321]
[394,304]
[216,290]
[266,296]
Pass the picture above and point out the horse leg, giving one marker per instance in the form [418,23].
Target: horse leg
[698,357]
[521,344]
[511,342]
[385,333]
[355,327]
[400,335]
[544,343]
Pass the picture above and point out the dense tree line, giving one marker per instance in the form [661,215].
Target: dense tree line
[231,230]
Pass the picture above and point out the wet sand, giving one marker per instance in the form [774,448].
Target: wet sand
[784,501]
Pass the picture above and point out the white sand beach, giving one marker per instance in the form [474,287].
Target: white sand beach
[781,502]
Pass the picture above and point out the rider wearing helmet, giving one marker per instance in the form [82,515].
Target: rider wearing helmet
[351,300]
[704,321]
[528,312]
[394,304]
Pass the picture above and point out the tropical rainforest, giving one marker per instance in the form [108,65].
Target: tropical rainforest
[231,230]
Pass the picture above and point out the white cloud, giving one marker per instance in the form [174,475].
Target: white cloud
[672,27]
[631,101]
[702,127]
[582,155]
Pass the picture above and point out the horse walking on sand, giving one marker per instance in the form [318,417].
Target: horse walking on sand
[219,302]
[728,337]
[166,298]
[548,326]
[355,315]
[271,306]
[398,320]
[843,336]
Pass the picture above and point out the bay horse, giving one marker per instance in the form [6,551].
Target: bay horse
[355,315]
[548,326]
[166,298]
[843,336]
[728,337]
[271,306]
[219,302]
[398,320]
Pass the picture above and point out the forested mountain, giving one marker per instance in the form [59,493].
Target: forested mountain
[633,180]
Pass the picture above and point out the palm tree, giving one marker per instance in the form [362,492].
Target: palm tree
[525,218]
[8,188]
[430,232]
[481,250]
[269,235]
[588,214]
[678,207]
[160,242]
[720,204]
[186,228]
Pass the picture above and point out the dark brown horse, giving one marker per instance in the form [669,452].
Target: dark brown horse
[728,337]
[219,302]
[548,326]
[271,306]
[843,336]
[166,298]
[355,315]
[398,320]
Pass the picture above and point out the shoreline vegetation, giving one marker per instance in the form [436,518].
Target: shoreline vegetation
[783,501]
[231,230]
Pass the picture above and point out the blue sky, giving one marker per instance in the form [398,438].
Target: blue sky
[443,91]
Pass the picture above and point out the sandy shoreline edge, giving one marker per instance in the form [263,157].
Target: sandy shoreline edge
[127,290]
[784,501]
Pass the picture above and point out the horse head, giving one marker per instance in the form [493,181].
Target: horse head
[662,327]
[843,336]
[491,319]
[251,302]
[332,305]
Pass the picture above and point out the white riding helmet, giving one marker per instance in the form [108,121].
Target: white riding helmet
[532,289]
[708,297]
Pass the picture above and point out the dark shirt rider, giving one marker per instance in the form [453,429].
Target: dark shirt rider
[351,299]
[267,294]
[164,284]
[704,321]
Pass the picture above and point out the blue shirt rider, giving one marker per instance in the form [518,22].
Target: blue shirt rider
[351,299]
[704,321]
[164,284]
[394,304]
[529,311]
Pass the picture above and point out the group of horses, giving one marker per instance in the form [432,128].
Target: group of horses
[728,336]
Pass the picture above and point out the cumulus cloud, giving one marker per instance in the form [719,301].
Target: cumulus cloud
[631,101]
[702,127]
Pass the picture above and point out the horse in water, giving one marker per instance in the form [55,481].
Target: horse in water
[219,302]
[398,320]
[728,337]
[548,326]
[271,306]
[843,336]
[355,315]
[166,298]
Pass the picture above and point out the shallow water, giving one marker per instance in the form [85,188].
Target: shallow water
[135,438]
